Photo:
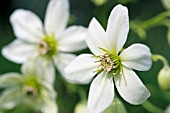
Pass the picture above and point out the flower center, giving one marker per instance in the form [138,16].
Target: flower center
[47,46]
[30,91]
[106,63]
[110,63]
[31,86]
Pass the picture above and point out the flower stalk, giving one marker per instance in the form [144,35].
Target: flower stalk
[152,108]
[156,57]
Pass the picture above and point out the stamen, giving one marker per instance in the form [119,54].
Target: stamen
[47,46]
[110,63]
[29,91]
[43,48]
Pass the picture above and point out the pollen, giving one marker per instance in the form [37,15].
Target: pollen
[43,48]
[106,63]
[110,63]
[47,46]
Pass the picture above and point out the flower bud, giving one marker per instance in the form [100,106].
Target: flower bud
[81,107]
[166,3]
[164,78]
[99,2]
[116,107]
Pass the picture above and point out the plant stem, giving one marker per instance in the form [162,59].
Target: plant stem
[155,20]
[152,108]
[156,57]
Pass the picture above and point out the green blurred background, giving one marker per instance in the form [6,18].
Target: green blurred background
[82,12]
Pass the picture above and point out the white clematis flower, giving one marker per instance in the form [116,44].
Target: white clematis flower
[51,42]
[110,65]
[28,88]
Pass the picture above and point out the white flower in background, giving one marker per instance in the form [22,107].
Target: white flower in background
[51,42]
[110,64]
[167,109]
[28,88]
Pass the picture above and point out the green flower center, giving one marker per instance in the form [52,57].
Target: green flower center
[48,46]
[32,87]
[110,63]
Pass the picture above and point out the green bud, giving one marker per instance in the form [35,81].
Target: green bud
[164,78]
[166,3]
[116,107]
[81,107]
[99,2]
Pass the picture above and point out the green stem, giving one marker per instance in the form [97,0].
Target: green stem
[156,57]
[155,20]
[140,27]
[152,108]
[166,22]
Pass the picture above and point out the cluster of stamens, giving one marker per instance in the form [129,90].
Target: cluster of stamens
[47,46]
[106,63]
[43,48]
[30,91]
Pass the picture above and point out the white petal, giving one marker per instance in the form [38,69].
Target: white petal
[130,87]
[61,60]
[26,25]
[101,94]
[167,109]
[57,15]
[137,56]
[73,39]
[40,67]
[49,91]
[96,38]
[81,69]
[10,79]
[10,98]
[18,51]
[117,28]
[49,106]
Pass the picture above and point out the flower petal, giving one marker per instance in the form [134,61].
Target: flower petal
[49,106]
[73,39]
[130,87]
[10,98]
[10,79]
[40,67]
[167,109]
[18,51]
[101,94]
[57,15]
[137,56]
[61,60]
[81,69]
[26,25]
[96,38]
[49,91]
[117,28]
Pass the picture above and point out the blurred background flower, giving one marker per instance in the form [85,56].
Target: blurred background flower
[167,109]
[28,90]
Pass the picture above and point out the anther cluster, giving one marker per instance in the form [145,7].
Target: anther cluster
[107,63]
